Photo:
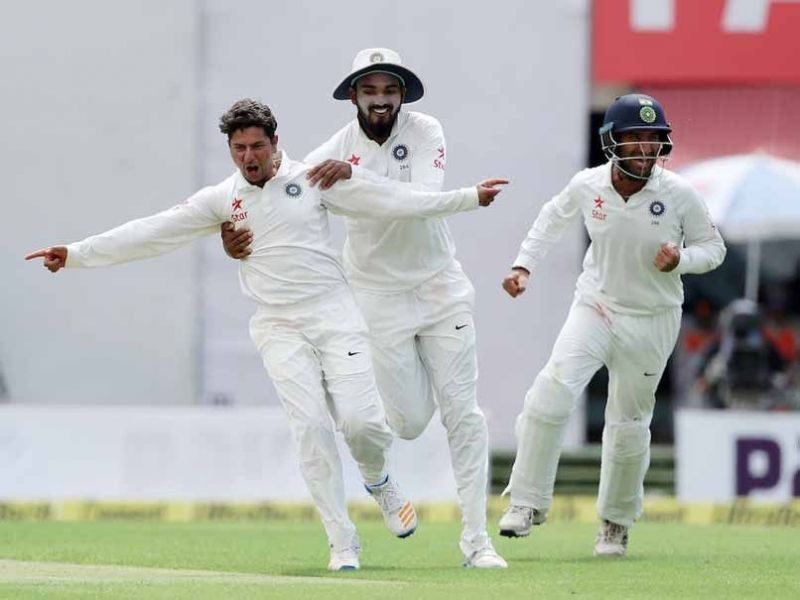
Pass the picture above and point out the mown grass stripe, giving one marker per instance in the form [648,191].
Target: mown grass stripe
[20,571]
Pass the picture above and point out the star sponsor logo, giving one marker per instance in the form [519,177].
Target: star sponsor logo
[400,152]
[293,189]
[439,162]
[354,160]
[597,211]
[237,212]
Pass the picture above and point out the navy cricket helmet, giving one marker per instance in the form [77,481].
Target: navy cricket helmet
[633,112]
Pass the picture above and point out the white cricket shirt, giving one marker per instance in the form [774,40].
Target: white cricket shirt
[391,255]
[618,268]
[292,256]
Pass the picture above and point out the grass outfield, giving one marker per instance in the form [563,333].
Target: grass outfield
[234,560]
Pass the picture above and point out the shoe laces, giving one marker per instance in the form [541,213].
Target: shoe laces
[613,533]
[388,496]
[487,550]
[526,511]
[353,550]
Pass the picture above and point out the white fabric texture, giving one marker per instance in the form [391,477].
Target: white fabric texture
[626,316]
[308,328]
[414,294]
[618,268]
[424,356]
[317,355]
[293,258]
[635,349]
[382,254]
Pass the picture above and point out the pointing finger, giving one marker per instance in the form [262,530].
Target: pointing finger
[37,254]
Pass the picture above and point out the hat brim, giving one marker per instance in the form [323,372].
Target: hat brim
[666,128]
[413,85]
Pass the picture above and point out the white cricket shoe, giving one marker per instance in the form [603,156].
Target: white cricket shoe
[345,559]
[485,558]
[398,512]
[612,540]
[518,520]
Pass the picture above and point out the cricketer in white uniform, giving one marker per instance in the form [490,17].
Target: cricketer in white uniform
[307,326]
[647,227]
[415,297]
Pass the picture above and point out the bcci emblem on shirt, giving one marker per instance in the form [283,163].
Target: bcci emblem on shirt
[657,209]
[293,190]
[400,152]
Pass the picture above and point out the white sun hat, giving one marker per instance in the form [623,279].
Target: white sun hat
[380,60]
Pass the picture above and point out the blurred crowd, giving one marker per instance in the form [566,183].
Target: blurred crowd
[742,356]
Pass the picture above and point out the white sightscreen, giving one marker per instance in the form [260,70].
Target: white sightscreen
[509,82]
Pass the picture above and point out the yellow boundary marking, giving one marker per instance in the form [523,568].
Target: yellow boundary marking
[18,571]
[580,509]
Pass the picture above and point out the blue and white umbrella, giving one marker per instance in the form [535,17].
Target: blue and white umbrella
[751,197]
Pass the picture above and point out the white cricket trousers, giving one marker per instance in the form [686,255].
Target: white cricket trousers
[423,346]
[317,354]
[635,350]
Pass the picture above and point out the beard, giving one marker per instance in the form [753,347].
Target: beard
[377,126]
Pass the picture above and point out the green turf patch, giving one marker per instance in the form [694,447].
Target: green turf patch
[234,560]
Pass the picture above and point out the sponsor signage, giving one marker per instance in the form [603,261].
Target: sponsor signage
[686,41]
[725,455]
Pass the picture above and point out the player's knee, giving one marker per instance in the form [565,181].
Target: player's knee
[364,425]
[308,434]
[626,441]
[314,440]
[549,398]
[409,427]
[462,416]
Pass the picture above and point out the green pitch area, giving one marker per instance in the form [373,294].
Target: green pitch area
[232,560]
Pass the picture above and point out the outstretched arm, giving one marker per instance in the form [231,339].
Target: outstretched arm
[386,199]
[141,238]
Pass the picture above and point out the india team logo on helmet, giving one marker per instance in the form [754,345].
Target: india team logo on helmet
[293,189]
[648,114]
[400,152]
